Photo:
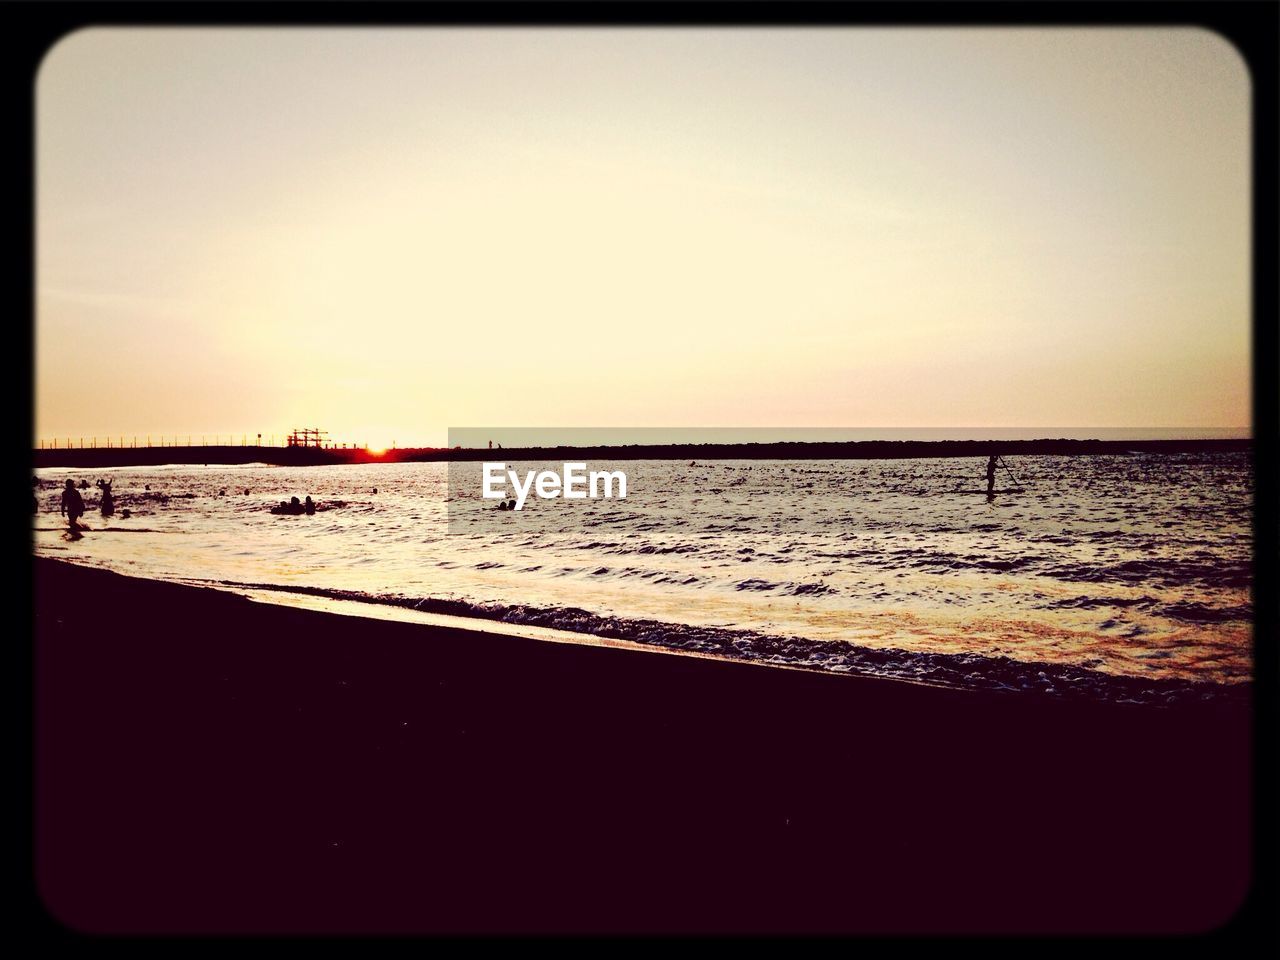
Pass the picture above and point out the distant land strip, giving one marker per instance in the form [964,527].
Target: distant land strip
[799,450]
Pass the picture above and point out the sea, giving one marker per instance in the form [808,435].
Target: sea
[1123,578]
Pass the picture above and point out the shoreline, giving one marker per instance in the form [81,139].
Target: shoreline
[726,645]
[796,450]
[205,763]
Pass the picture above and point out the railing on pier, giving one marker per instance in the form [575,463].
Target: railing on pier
[125,441]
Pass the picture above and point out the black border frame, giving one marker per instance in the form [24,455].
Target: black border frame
[1251,26]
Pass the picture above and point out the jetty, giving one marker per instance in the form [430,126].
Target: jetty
[312,450]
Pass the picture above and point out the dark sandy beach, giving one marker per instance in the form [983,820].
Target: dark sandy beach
[209,764]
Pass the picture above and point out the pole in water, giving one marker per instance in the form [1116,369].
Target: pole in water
[1016,481]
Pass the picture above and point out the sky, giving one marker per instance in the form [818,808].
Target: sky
[386,233]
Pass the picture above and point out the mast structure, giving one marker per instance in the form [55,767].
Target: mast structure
[307,437]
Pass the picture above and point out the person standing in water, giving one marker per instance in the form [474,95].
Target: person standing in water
[72,504]
[991,474]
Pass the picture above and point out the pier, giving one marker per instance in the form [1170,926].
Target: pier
[320,454]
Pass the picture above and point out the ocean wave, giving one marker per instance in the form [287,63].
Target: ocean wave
[953,670]
[1192,612]
[1169,572]
[1103,557]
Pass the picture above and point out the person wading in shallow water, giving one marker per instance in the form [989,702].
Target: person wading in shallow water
[991,474]
[72,504]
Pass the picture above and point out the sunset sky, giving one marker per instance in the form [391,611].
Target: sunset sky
[389,232]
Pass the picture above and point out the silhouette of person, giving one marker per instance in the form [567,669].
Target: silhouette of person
[72,504]
[295,505]
[991,474]
[108,506]
[311,507]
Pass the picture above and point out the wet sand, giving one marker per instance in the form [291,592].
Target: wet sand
[209,764]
